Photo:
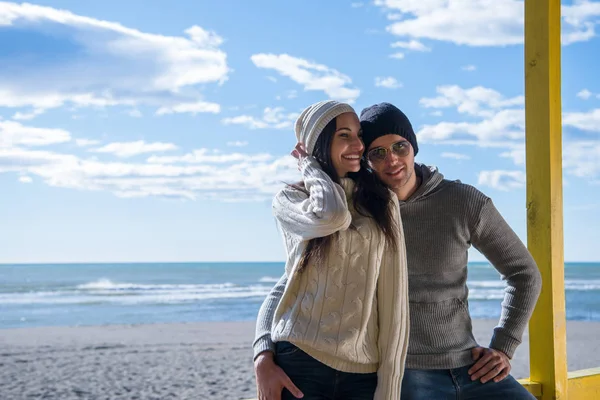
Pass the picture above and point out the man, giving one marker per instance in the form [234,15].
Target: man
[441,219]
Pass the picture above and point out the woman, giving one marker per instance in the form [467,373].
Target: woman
[340,329]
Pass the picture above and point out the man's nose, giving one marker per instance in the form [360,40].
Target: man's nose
[392,158]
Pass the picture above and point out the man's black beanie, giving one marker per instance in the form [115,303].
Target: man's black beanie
[384,119]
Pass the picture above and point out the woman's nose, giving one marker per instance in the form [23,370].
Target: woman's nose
[358,145]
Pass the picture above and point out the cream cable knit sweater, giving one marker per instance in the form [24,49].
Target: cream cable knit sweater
[352,312]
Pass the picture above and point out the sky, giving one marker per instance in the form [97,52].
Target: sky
[145,130]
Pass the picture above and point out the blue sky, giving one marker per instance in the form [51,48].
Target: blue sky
[146,131]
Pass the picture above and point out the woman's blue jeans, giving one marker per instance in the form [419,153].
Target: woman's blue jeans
[320,382]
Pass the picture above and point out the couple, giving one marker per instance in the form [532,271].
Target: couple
[373,302]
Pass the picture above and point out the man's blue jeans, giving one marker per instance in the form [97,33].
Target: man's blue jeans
[456,384]
[320,382]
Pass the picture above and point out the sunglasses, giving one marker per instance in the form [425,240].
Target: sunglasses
[379,154]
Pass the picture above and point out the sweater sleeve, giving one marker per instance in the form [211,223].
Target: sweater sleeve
[264,321]
[393,312]
[495,239]
[321,212]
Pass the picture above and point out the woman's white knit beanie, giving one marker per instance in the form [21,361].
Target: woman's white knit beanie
[314,118]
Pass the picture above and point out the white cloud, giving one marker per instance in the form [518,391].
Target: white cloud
[290,94]
[357,4]
[411,45]
[516,153]
[501,117]
[86,142]
[469,68]
[206,156]
[502,180]
[587,121]
[130,149]
[273,118]
[13,133]
[437,113]
[504,125]
[28,116]
[580,18]
[310,75]
[397,56]
[135,113]
[105,63]
[477,101]
[495,121]
[394,17]
[582,158]
[25,179]
[387,82]
[192,108]
[456,156]
[584,94]
[481,22]
[251,179]
[18,159]
[237,144]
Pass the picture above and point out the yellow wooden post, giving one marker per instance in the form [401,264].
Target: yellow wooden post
[547,328]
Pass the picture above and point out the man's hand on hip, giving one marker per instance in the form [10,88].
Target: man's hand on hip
[491,364]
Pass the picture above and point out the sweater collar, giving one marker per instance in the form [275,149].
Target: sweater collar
[348,185]
[430,179]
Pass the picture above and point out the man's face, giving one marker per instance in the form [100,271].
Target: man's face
[398,166]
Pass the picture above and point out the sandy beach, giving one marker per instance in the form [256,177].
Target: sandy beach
[174,361]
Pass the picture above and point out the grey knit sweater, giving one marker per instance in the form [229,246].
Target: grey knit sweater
[441,220]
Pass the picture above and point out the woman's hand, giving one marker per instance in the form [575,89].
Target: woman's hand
[299,151]
[271,380]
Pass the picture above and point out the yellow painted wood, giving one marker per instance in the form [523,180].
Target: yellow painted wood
[535,388]
[547,328]
[584,384]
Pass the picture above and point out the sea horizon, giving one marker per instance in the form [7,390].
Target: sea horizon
[102,293]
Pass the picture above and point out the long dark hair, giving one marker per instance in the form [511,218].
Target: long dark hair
[371,198]
[317,248]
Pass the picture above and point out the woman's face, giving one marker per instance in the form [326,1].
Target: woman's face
[347,146]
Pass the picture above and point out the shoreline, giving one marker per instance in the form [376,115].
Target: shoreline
[207,360]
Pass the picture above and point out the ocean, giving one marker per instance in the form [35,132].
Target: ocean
[134,293]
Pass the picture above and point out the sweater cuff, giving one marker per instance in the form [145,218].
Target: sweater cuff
[504,343]
[263,344]
[388,387]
